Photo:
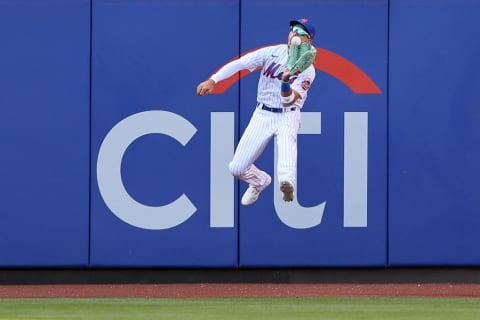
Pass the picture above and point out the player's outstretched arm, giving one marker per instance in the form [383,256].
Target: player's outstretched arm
[205,87]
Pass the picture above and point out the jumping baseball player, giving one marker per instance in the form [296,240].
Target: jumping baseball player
[285,78]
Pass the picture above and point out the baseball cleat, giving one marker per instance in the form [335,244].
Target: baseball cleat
[287,189]
[252,193]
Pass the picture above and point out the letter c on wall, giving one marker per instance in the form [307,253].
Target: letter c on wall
[109,175]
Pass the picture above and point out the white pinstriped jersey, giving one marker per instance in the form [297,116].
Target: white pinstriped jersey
[272,60]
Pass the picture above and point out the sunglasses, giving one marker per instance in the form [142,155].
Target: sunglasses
[298,30]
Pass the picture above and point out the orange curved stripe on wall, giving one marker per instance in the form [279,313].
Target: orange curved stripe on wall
[345,71]
[326,61]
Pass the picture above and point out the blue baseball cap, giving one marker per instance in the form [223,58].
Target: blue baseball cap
[306,24]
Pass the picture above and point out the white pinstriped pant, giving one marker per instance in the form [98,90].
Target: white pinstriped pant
[263,126]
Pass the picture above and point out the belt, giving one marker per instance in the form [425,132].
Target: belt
[276,110]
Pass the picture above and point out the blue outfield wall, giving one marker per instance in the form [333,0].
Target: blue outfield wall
[44,129]
[434,133]
[111,160]
[145,73]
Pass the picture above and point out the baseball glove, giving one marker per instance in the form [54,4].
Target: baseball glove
[300,57]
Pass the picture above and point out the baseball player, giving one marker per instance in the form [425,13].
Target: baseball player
[280,97]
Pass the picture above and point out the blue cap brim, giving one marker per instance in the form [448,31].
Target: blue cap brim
[307,26]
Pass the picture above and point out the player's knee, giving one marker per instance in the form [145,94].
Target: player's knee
[235,169]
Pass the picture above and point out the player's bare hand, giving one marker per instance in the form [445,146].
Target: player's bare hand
[205,87]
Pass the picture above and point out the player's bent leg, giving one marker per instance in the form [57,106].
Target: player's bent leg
[252,176]
[257,179]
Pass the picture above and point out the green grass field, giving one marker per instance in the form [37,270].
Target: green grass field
[242,308]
